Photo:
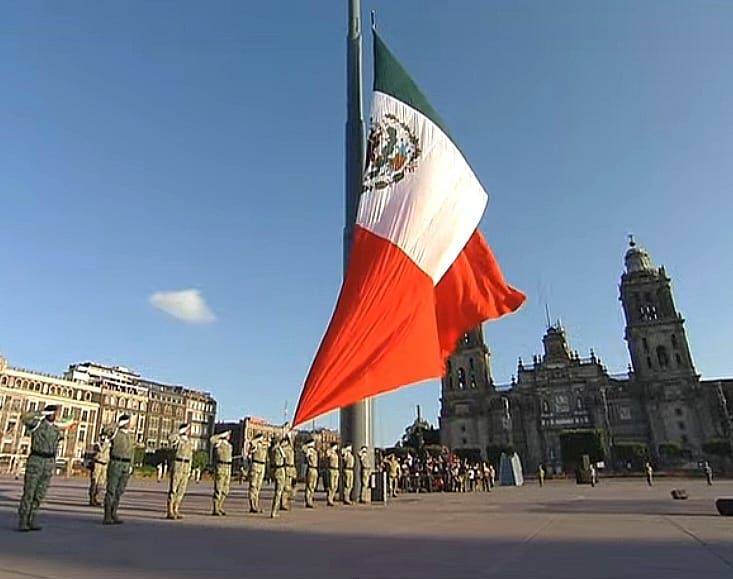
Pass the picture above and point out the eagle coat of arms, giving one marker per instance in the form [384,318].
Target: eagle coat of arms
[392,152]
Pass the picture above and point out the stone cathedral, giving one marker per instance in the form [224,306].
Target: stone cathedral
[661,405]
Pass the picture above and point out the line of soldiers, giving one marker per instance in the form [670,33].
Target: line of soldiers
[113,461]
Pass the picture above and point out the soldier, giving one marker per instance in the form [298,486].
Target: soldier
[257,463]
[222,470]
[290,473]
[119,468]
[98,473]
[649,471]
[492,476]
[393,472]
[181,471]
[278,462]
[541,475]
[366,472]
[332,459]
[349,461]
[311,475]
[45,437]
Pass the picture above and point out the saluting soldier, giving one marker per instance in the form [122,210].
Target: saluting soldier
[332,459]
[278,462]
[541,475]
[366,472]
[222,470]
[45,437]
[349,462]
[119,468]
[290,473]
[393,472]
[98,472]
[257,464]
[181,471]
[311,474]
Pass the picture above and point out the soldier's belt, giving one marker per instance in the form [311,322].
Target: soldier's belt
[279,467]
[120,459]
[312,467]
[224,462]
[99,462]
[290,465]
[333,468]
[258,461]
[183,460]
[348,468]
[40,454]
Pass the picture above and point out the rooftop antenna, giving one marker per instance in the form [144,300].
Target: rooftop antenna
[547,316]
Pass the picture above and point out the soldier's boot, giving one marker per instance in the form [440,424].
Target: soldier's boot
[23,525]
[31,523]
[115,519]
[170,512]
[179,516]
[285,505]
[107,514]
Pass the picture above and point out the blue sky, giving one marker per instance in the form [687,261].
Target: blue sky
[148,147]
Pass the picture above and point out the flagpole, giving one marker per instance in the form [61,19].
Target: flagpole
[356,421]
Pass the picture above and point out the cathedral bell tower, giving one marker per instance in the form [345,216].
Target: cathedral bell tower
[469,367]
[655,332]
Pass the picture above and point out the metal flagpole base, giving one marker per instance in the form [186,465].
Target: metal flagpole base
[356,425]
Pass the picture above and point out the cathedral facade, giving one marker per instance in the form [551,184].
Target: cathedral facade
[660,409]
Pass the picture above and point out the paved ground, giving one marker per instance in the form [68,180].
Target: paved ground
[620,529]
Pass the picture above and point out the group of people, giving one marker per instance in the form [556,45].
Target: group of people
[442,473]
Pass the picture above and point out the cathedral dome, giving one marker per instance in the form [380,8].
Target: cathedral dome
[637,258]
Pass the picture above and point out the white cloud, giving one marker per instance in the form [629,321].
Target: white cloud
[186,305]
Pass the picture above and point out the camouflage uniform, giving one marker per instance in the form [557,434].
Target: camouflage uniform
[180,474]
[366,472]
[349,463]
[311,476]
[541,475]
[45,438]
[98,473]
[257,463]
[279,466]
[119,468]
[332,458]
[290,476]
[222,472]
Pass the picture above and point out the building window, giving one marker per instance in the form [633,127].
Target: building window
[450,382]
[678,411]
[674,341]
[463,428]
[624,413]
[470,363]
[545,407]
[684,439]
[648,362]
[662,357]
[461,378]
[681,425]
[646,344]
[579,403]
[465,441]
[678,359]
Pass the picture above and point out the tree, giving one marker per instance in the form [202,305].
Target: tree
[575,443]
[717,447]
[200,459]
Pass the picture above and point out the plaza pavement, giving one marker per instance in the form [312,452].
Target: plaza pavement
[620,529]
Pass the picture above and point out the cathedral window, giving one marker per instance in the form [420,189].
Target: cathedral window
[662,357]
[678,411]
[466,339]
[684,439]
[545,407]
[450,382]
[681,425]
[461,378]
[646,344]
[648,362]
[473,381]
[678,359]
[470,363]
[579,403]
[674,341]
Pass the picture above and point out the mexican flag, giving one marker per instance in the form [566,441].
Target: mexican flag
[420,273]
